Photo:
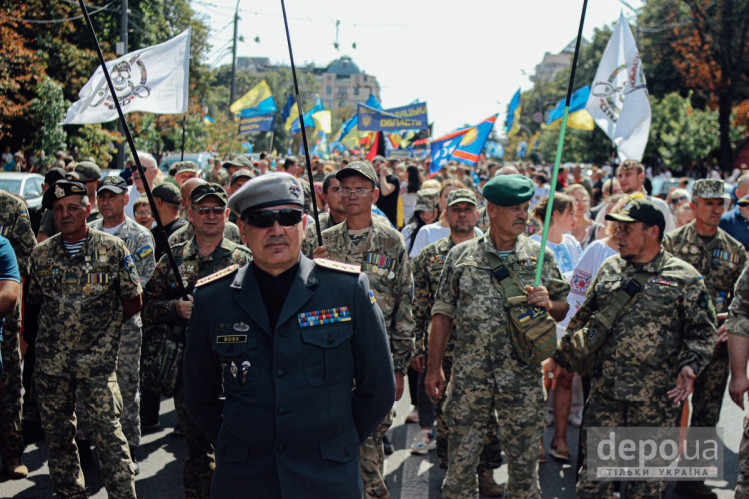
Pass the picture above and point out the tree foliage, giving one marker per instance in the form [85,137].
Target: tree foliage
[48,110]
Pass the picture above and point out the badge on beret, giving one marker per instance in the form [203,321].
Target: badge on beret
[59,192]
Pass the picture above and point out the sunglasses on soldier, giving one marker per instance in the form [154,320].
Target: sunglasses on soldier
[263,219]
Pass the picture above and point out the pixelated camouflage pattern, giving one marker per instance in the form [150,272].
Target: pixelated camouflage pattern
[486,368]
[15,226]
[738,311]
[221,178]
[670,325]
[372,461]
[310,233]
[81,294]
[742,483]
[392,287]
[187,232]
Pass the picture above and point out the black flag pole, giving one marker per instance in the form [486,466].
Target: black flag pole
[182,147]
[160,233]
[304,132]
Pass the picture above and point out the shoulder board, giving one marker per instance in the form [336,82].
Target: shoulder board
[333,265]
[217,275]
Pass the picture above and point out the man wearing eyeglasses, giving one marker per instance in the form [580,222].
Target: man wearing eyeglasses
[299,350]
[207,253]
[381,252]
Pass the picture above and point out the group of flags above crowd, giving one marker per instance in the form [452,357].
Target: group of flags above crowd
[155,80]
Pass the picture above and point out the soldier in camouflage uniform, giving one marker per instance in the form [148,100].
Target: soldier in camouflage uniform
[208,252]
[87,284]
[186,233]
[666,336]
[113,198]
[738,350]
[720,259]
[16,227]
[381,252]
[427,267]
[486,368]
[294,167]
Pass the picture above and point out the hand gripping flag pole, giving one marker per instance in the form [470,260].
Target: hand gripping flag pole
[555,172]
[304,130]
[160,227]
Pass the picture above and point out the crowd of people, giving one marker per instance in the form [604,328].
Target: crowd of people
[406,281]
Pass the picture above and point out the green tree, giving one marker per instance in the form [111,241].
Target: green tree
[47,110]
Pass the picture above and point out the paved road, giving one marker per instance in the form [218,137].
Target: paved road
[408,477]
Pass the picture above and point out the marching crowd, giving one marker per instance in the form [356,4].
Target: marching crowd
[457,307]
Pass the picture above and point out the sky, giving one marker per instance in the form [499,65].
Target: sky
[464,59]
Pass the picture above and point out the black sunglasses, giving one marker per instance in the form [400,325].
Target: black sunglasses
[266,218]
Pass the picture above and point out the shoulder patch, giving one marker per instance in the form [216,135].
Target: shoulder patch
[333,265]
[217,275]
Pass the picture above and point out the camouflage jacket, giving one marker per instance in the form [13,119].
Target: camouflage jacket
[310,233]
[15,226]
[738,311]
[162,292]
[468,292]
[385,262]
[187,232]
[139,241]
[81,303]
[670,325]
[719,259]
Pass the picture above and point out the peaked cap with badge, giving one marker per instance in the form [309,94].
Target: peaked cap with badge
[639,210]
[271,189]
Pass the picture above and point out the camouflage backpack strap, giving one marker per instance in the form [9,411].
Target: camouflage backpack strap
[623,298]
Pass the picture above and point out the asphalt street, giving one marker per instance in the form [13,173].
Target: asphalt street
[408,476]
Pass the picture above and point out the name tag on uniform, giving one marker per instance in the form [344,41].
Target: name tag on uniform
[231,338]
[326,316]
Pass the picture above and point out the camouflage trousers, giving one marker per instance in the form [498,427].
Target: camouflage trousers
[742,484]
[709,388]
[128,379]
[372,461]
[200,461]
[101,397]
[491,454]
[602,411]
[520,417]
[11,438]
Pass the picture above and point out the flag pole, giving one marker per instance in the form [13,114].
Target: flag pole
[304,131]
[560,144]
[160,233]
[182,147]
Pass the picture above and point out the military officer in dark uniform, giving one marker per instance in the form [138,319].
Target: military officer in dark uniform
[285,339]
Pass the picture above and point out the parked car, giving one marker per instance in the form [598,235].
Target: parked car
[26,185]
[201,159]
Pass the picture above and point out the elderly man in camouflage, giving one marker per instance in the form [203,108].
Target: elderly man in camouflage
[720,259]
[207,252]
[113,197]
[16,227]
[87,284]
[665,336]
[486,368]
[461,217]
[381,252]
[738,351]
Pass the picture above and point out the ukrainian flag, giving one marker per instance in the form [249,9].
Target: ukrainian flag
[577,117]
[512,124]
[259,100]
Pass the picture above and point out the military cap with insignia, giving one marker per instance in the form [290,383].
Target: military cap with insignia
[168,192]
[271,189]
[62,189]
[361,168]
[461,196]
[709,188]
[639,210]
[185,166]
[207,190]
[113,183]
[87,171]
[509,190]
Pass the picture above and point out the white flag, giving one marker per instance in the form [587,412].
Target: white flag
[153,80]
[618,98]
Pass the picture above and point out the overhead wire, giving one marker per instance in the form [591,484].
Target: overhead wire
[54,21]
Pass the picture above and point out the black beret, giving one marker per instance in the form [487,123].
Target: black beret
[62,189]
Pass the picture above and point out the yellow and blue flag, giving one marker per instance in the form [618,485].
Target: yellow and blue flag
[259,100]
[512,123]
[308,121]
[473,141]
[290,112]
[348,135]
[577,117]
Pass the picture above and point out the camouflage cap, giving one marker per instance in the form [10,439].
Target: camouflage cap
[361,168]
[243,173]
[207,190]
[639,210]
[185,166]
[509,190]
[271,189]
[426,199]
[461,196]
[379,158]
[113,183]
[87,171]
[168,192]
[62,189]
[709,188]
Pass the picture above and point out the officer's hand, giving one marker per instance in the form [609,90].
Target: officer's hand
[722,335]
[320,252]
[398,385]
[538,296]
[184,307]
[551,371]
[737,387]
[434,385]
[684,385]
[419,364]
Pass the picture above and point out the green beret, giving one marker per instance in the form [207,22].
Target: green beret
[509,190]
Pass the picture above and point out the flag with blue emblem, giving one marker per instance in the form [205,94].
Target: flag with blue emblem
[470,146]
[442,149]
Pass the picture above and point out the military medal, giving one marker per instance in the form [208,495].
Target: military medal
[693,250]
[233,369]
[245,370]
[391,275]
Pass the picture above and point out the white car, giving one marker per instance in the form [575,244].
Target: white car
[26,185]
